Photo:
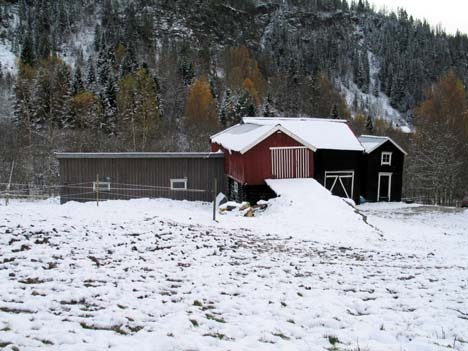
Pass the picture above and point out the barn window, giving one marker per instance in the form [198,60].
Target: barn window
[103,186]
[179,184]
[386,159]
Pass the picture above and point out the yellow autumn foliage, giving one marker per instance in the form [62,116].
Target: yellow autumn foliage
[200,108]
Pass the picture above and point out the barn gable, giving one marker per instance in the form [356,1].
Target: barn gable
[373,142]
[276,148]
[313,133]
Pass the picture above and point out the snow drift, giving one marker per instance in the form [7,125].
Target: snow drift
[307,210]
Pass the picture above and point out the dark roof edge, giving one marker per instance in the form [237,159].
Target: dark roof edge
[126,155]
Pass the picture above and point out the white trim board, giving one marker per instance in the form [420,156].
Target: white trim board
[339,175]
[390,156]
[180,180]
[389,175]
[383,141]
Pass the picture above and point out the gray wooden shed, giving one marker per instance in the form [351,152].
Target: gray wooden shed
[111,176]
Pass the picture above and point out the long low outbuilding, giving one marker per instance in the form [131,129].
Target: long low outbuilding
[131,175]
[241,160]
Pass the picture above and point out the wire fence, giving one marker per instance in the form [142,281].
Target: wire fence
[98,191]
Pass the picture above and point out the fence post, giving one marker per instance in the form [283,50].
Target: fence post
[215,193]
[97,190]
[7,196]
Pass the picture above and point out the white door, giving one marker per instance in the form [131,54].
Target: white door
[384,187]
[340,183]
[290,162]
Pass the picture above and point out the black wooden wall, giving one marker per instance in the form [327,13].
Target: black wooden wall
[338,160]
[371,166]
[140,176]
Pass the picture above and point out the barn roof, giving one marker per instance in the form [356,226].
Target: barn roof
[315,133]
[65,155]
[373,142]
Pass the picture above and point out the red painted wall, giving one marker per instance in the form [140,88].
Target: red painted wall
[253,167]
[233,163]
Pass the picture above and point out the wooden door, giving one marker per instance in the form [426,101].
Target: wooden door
[290,162]
[384,189]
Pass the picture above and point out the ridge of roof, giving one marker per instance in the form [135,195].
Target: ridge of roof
[383,139]
[292,119]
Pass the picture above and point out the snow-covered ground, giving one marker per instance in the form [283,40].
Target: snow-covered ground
[7,58]
[160,275]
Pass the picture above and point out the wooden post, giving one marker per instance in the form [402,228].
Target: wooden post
[7,200]
[215,193]
[97,190]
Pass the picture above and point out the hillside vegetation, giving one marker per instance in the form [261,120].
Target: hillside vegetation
[163,75]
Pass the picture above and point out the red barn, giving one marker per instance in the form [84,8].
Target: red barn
[271,148]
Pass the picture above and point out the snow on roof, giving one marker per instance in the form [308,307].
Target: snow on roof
[315,133]
[373,142]
[107,155]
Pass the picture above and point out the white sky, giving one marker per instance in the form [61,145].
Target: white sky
[451,14]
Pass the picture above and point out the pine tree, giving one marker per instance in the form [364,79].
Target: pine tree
[369,125]
[91,84]
[334,112]
[268,107]
[78,86]
[27,51]
[137,108]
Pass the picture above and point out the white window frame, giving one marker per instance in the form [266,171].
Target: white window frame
[103,186]
[389,195]
[179,180]
[339,175]
[386,163]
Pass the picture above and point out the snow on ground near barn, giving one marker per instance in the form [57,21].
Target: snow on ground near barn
[159,275]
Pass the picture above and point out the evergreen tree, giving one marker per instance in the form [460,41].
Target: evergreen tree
[78,86]
[369,125]
[27,51]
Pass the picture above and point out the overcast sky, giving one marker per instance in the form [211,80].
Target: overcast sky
[451,14]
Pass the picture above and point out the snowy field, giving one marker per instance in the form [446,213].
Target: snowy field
[160,275]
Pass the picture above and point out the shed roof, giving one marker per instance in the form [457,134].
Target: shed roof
[315,133]
[373,142]
[68,155]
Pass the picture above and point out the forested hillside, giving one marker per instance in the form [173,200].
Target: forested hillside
[160,75]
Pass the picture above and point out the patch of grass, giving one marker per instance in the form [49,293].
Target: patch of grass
[81,301]
[114,328]
[46,342]
[333,340]
[215,318]
[194,322]
[281,335]
[4,344]
[15,310]
[32,281]
[217,336]
[197,303]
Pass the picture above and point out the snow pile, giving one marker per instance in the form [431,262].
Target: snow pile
[154,275]
[307,210]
